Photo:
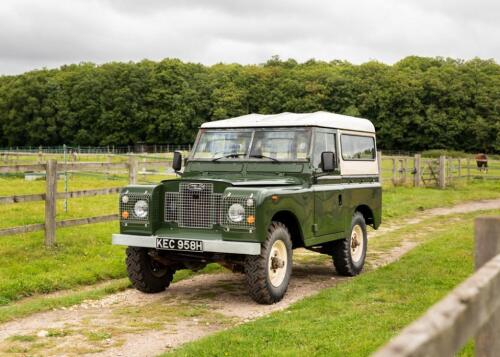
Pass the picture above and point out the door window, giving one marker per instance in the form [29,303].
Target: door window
[324,142]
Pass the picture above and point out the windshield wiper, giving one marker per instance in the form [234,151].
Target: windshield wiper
[228,155]
[264,157]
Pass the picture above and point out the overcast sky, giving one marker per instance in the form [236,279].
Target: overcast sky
[49,33]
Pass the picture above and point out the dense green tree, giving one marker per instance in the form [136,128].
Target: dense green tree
[418,103]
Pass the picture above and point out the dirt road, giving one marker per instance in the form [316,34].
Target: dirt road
[132,323]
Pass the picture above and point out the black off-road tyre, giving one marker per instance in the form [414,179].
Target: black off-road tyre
[342,254]
[257,267]
[146,274]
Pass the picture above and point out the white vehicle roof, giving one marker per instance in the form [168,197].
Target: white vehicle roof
[321,119]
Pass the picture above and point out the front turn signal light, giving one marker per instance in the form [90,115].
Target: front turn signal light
[251,219]
[125,215]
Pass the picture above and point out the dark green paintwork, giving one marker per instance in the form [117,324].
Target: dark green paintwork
[313,200]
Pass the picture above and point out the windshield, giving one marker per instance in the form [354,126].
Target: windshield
[275,144]
[214,144]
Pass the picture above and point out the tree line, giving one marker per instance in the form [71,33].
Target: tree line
[418,103]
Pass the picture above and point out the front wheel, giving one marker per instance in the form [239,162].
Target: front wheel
[349,253]
[145,273]
[268,274]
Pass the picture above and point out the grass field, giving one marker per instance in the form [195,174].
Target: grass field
[357,317]
[84,256]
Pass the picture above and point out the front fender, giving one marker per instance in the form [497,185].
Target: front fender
[296,200]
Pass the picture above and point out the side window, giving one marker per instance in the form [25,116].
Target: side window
[323,142]
[356,147]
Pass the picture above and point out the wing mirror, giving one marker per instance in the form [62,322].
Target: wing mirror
[177,161]
[328,161]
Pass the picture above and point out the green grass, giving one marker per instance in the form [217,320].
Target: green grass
[404,201]
[356,317]
[39,303]
[84,255]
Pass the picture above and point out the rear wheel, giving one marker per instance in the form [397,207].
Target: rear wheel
[268,274]
[349,253]
[145,273]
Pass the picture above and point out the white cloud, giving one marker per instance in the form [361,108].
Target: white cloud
[34,34]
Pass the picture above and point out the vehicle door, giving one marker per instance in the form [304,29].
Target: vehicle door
[327,187]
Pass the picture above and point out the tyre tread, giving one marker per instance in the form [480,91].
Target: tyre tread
[139,274]
[255,269]
[341,253]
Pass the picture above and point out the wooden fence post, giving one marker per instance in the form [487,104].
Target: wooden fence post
[394,171]
[379,163]
[442,171]
[487,231]
[468,169]
[108,169]
[405,168]
[132,170]
[50,202]
[449,172]
[416,165]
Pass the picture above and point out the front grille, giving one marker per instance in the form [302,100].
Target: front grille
[197,206]
[194,206]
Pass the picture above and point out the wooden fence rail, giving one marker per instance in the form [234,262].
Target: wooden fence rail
[22,229]
[470,310]
[59,195]
[82,166]
[58,224]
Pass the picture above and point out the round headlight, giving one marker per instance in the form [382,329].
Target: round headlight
[141,209]
[125,199]
[236,212]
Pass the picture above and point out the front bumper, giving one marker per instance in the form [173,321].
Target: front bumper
[215,246]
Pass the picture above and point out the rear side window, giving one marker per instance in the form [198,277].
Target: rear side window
[356,147]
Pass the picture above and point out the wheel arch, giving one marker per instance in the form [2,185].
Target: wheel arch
[367,213]
[290,220]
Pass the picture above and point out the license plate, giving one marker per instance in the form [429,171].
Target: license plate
[179,244]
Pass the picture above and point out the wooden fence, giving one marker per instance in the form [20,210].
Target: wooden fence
[472,310]
[50,196]
[440,172]
[415,170]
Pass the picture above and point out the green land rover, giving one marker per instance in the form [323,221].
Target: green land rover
[253,189]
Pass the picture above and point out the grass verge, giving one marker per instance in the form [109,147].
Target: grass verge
[84,255]
[404,201]
[40,303]
[357,317]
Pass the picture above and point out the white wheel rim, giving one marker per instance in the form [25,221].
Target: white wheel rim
[357,243]
[277,263]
